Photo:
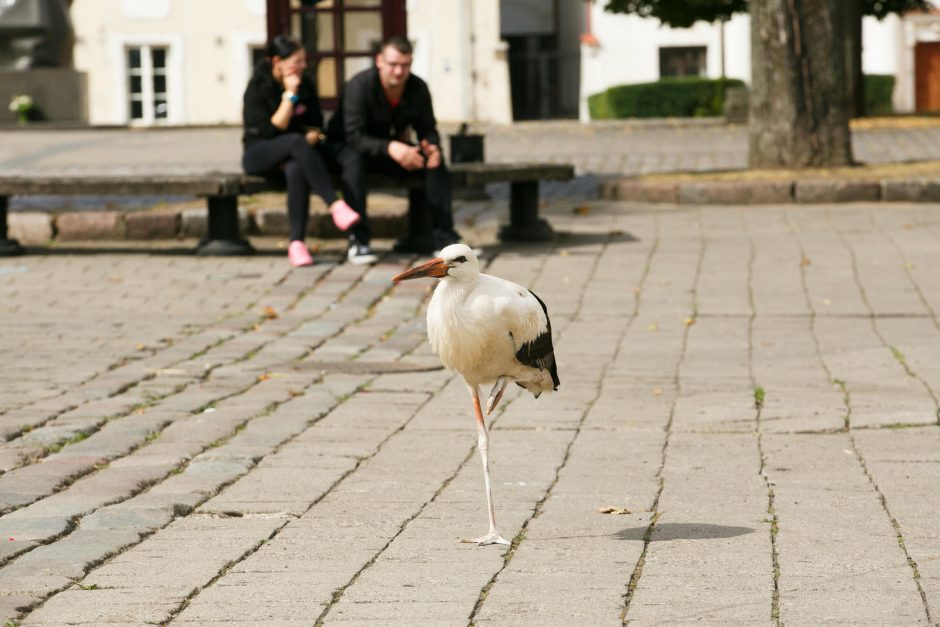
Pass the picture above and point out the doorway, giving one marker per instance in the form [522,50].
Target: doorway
[927,76]
[341,36]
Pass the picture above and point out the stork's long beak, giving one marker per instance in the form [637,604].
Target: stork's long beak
[436,268]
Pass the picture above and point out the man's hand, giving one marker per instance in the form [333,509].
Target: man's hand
[314,136]
[408,157]
[432,153]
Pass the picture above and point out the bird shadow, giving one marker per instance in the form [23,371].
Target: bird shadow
[683,531]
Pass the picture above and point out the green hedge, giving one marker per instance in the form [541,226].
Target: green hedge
[668,97]
[878,90]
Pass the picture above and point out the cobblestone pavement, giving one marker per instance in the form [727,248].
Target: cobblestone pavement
[753,392]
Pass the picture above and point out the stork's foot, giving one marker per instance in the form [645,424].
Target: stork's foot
[492,537]
[496,394]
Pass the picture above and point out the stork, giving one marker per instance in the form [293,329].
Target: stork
[490,331]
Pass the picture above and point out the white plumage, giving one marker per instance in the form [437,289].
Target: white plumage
[489,330]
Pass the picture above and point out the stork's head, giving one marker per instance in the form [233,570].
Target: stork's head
[457,261]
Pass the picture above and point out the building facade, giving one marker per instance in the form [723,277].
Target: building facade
[185,62]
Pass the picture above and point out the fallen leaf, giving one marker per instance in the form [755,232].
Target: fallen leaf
[613,510]
[269,313]
[907,226]
[908,266]
[826,301]
[141,347]
[689,321]
[637,290]
[657,391]
[581,210]
[615,232]
[653,327]
[805,261]
[263,377]
[564,252]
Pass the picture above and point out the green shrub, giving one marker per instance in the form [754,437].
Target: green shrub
[599,107]
[667,97]
[878,90]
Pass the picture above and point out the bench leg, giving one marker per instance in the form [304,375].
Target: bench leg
[524,222]
[224,238]
[8,247]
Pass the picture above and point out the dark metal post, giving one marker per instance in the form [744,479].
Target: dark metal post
[524,222]
[8,247]
[223,238]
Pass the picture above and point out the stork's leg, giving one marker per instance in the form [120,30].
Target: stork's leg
[496,394]
[483,443]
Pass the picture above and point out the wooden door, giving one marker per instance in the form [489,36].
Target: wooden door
[341,36]
[927,76]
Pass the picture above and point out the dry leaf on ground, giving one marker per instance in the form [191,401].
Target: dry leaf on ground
[606,509]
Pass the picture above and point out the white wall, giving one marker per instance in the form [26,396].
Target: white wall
[208,66]
[459,53]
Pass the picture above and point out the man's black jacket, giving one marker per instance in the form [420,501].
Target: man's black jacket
[367,122]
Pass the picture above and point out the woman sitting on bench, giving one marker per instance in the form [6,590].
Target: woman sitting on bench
[283,123]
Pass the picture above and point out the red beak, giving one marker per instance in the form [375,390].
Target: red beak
[435,268]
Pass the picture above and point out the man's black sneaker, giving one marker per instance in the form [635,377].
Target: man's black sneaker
[360,254]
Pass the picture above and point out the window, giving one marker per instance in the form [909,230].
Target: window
[677,61]
[147,83]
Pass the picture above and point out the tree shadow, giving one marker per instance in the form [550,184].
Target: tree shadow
[683,531]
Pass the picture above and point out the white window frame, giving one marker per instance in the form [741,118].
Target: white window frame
[147,78]
[173,44]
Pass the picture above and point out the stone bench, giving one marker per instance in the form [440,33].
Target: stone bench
[221,190]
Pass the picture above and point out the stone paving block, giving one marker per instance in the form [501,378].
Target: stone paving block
[90,225]
[736,192]
[685,605]
[910,190]
[30,228]
[149,225]
[868,606]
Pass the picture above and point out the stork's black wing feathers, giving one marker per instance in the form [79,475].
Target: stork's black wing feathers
[539,353]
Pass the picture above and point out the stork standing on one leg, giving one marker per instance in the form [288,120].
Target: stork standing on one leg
[489,330]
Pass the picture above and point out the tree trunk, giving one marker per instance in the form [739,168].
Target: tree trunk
[854,78]
[799,104]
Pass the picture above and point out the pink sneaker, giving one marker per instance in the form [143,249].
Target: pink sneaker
[344,216]
[298,255]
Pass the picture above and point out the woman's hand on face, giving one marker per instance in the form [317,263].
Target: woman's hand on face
[314,136]
[292,82]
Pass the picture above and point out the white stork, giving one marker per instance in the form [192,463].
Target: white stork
[489,330]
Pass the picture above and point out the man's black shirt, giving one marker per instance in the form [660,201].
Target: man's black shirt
[366,121]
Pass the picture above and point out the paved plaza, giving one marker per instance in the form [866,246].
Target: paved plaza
[747,429]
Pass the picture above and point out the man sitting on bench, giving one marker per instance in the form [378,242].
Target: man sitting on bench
[372,132]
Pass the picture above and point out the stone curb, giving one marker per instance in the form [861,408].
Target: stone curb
[771,192]
[37,228]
